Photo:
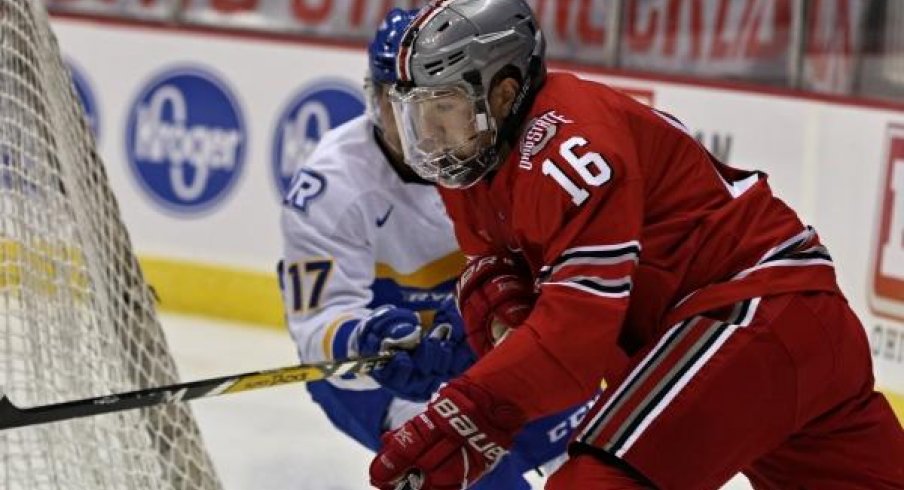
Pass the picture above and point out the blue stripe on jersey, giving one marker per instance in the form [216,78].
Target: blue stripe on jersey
[387,291]
[340,340]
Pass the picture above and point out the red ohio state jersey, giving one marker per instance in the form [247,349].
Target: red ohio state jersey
[628,226]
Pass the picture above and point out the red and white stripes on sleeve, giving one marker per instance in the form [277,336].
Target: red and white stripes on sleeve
[601,270]
[801,250]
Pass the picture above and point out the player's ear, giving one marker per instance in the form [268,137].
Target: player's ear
[502,96]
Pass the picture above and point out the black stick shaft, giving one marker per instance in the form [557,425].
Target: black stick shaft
[13,416]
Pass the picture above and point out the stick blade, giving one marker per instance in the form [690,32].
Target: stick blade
[10,415]
[414,480]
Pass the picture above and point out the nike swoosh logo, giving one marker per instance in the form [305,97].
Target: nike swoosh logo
[382,221]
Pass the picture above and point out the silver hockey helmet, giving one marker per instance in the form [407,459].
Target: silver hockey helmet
[450,56]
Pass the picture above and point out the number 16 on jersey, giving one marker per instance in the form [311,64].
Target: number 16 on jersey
[591,166]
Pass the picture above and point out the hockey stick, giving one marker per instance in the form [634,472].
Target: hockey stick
[414,480]
[13,416]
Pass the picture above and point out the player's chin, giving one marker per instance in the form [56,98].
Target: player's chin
[471,147]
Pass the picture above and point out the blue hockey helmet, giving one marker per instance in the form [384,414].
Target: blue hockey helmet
[384,47]
[381,53]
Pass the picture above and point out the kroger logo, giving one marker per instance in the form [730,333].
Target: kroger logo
[313,111]
[186,139]
[86,97]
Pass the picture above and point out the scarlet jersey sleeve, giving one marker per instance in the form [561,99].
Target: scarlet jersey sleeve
[578,213]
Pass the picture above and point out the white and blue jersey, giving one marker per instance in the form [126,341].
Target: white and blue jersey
[357,236]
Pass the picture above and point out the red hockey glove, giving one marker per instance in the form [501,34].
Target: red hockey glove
[456,440]
[493,297]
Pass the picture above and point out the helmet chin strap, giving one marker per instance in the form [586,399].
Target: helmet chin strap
[508,131]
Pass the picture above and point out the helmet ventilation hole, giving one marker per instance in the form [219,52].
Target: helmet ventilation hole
[455,57]
[434,67]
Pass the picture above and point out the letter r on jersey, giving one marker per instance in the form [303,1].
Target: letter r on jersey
[306,186]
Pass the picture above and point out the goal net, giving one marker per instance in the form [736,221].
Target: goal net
[77,319]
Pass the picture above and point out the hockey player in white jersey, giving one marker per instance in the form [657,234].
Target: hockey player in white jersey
[357,278]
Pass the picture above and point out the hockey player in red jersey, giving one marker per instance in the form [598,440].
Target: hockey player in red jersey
[606,243]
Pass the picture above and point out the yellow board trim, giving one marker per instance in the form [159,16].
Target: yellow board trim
[214,290]
[253,297]
[47,267]
[897,403]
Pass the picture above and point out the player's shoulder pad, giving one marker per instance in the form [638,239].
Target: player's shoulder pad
[337,174]
[306,186]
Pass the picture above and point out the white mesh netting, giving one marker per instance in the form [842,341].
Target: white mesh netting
[76,316]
